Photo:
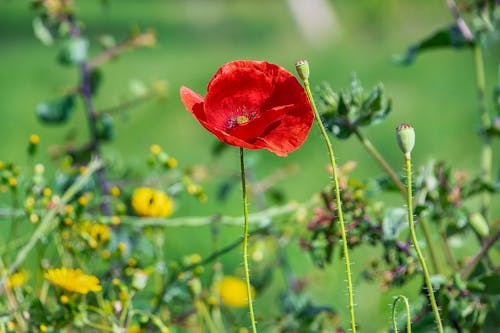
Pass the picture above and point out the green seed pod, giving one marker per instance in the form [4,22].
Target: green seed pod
[479,224]
[302,67]
[405,134]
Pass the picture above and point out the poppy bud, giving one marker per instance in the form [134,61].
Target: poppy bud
[405,135]
[302,67]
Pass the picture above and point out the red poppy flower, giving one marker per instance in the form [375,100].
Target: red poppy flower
[253,105]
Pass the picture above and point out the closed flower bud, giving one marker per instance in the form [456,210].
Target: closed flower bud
[405,135]
[302,67]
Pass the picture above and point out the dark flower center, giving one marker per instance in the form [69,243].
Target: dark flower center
[241,116]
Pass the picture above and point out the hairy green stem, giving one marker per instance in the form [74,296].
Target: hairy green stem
[49,222]
[486,150]
[338,203]
[408,315]
[430,245]
[417,248]
[245,241]
[383,163]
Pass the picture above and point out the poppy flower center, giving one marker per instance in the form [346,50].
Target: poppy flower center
[242,119]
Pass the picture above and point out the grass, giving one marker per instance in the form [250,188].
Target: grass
[436,94]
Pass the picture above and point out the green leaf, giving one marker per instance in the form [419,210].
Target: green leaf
[105,129]
[449,36]
[393,222]
[487,285]
[56,112]
[74,51]
[42,32]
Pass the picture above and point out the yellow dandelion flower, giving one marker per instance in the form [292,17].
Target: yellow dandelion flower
[195,258]
[233,291]
[73,280]
[43,328]
[100,232]
[34,139]
[155,149]
[115,191]
[64,299]
[164,330]
[83,200]
[152,203]
[115,220]
[122,246]
[47,192]
[172,162]
[17,279]
[12,181]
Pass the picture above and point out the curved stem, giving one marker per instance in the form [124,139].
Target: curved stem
[408,315]
[383,163]
[417,248]
[245,241]
[338,203]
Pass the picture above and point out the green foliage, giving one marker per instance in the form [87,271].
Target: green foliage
[447,37]
[57,111]
[344,112]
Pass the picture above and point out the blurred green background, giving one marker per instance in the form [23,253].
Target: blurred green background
[436,94]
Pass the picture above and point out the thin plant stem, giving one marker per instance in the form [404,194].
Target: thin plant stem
[430,245]
[12,305]
[338,203]
[86,93]
[408,315]
[417,248]
[383,163]
[202,309]
[49,222]
[488,243]
[447,251]
[486,150]
[245,241]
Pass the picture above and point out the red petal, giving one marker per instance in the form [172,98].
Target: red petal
[240,92]
[193,103]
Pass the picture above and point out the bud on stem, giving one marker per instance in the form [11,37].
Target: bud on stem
[405,134]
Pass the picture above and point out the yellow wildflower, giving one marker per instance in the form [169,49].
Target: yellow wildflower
[155,149]
[47,192]
[17,279]
[73,280]
[12,181]
[115,220]
[34,139]
[172,162]
[152,203]
[95,233]
[115,191]
[64,299]
[43,328]
[233,291]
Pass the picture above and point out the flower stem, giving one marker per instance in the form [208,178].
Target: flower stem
[417,248]
[486,150]
[408,315]
[383,163]
[430,245]
[338,203]
[245,241]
